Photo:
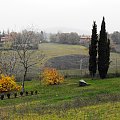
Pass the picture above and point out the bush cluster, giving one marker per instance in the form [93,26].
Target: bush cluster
[52,77]
[15,94]
[8,84]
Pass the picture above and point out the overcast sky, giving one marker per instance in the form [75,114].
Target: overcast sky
[48,14]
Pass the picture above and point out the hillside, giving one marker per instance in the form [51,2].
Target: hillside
[69,56]
[55,50]
[99,100]
[66,58]
[68,62]
[51,51]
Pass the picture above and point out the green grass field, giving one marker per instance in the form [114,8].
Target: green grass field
[99,101]
[66,101]
[54,50]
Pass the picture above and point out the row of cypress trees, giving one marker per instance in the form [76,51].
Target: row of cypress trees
[99,51]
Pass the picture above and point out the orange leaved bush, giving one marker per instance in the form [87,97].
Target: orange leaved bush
[8,84]
[52,77]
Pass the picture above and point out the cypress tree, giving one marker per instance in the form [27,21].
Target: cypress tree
[93,51]
[103,51]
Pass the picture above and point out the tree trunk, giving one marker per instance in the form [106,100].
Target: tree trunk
[23,81]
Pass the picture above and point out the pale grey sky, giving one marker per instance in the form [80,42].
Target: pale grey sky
[46,14]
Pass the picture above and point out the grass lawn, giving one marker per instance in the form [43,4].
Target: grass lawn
[67,100]
[105,111]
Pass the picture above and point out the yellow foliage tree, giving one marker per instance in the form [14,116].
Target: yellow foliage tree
[52,77]
[8,84]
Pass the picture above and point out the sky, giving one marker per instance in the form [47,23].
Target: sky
[59,15]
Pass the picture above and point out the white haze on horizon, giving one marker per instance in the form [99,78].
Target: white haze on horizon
[64,15]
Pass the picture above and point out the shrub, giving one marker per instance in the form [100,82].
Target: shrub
[52,77]
[15,95]
[8,84]
[21,93]
[26,93]
[36,92]
[31,92]
[2,97]
[8,95]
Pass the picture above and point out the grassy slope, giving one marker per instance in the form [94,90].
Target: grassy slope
[115,62]
[65,100]
[69,90]
[100,91]
[53,50]
[107,111]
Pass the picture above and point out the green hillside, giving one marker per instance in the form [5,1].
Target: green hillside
[54,50]
[99,100]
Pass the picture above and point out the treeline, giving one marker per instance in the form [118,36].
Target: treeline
[38,37]
[9,40]
[115,36]
[115,41]
[74,38]
[65,38]
[62,38]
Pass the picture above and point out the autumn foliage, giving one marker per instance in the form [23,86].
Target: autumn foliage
[52,77]
[8,84]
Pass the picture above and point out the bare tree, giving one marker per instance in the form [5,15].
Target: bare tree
[8,60]
[28,56]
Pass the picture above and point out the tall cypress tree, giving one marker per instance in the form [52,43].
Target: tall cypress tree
[93,51]
[103,51]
